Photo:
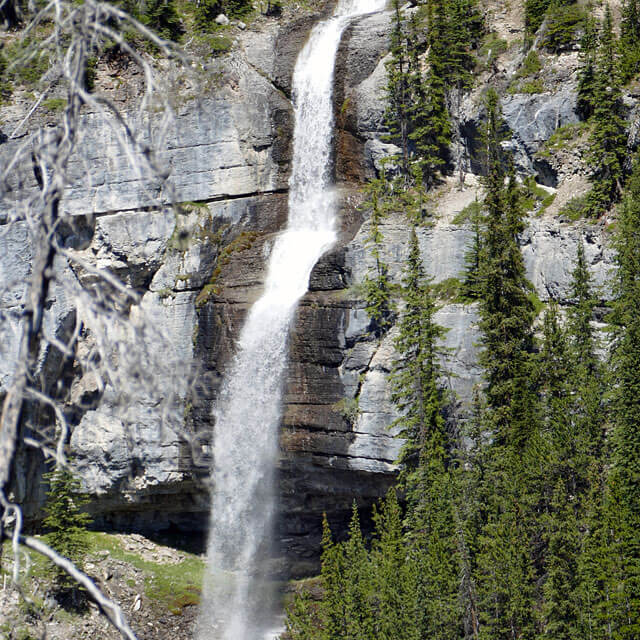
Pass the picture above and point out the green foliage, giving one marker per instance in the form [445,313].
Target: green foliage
[349,409]
[506,312]
[471,287]
[492,46]
[54,104]
[468,214]
[376,285]
[531,86]
[576,208]
[565,22]
[415,380]
[21,64]
[623,498]
[607,148]
[417,115]
[588,72]
[630,40]
[534,12]
[90,73]
[530,65]
[162,16]
[65,521]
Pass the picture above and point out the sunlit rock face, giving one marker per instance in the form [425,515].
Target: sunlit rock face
[200,270]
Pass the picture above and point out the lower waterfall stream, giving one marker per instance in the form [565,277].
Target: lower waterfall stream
[237,597]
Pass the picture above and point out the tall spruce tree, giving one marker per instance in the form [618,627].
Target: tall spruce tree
[587,78]
[395,575]
[416,390]
[506,577]
[377,286]
[630,40]
[559,524]
[431,126]
[587,388]
[607,146]
[471,288]
[399,99]
[505,308]
[623,491]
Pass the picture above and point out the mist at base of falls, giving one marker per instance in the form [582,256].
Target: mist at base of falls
[239,598]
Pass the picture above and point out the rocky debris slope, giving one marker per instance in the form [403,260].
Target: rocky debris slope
[156,586]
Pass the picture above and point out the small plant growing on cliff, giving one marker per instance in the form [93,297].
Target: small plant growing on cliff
[67,525]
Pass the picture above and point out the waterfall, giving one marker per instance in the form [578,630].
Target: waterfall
[236,597]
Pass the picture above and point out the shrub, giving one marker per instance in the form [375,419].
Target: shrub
[576,208]
[54,104]
[530,65]
[564,24]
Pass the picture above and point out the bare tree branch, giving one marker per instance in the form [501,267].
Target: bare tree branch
[108,607]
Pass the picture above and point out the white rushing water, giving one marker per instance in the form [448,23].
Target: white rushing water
[237,598]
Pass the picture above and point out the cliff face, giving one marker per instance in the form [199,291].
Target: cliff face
[200,270]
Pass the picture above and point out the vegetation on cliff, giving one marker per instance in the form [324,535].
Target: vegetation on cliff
[523,520]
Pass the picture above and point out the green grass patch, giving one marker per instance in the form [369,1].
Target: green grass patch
[532,86]
[174,586]
[32,564]
[54,104]
[547,202]
[217,43]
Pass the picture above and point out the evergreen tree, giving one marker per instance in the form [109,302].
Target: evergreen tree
[587,389]
[505,308]
[430,124]
[66,523]
[607,148]
[357,589]
[560,531]
[506,578]
[415,380]
[471,288]
[397,115]
[377,287]
[587,78]
[534,12]
[398,609]
[630,40]
[163,17]
[623,491]
[332,610]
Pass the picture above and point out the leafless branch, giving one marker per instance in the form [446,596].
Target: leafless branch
[108,607]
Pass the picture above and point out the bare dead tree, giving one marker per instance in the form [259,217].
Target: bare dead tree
[111,335]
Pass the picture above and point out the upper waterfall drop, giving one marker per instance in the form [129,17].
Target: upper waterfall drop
[236,596]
